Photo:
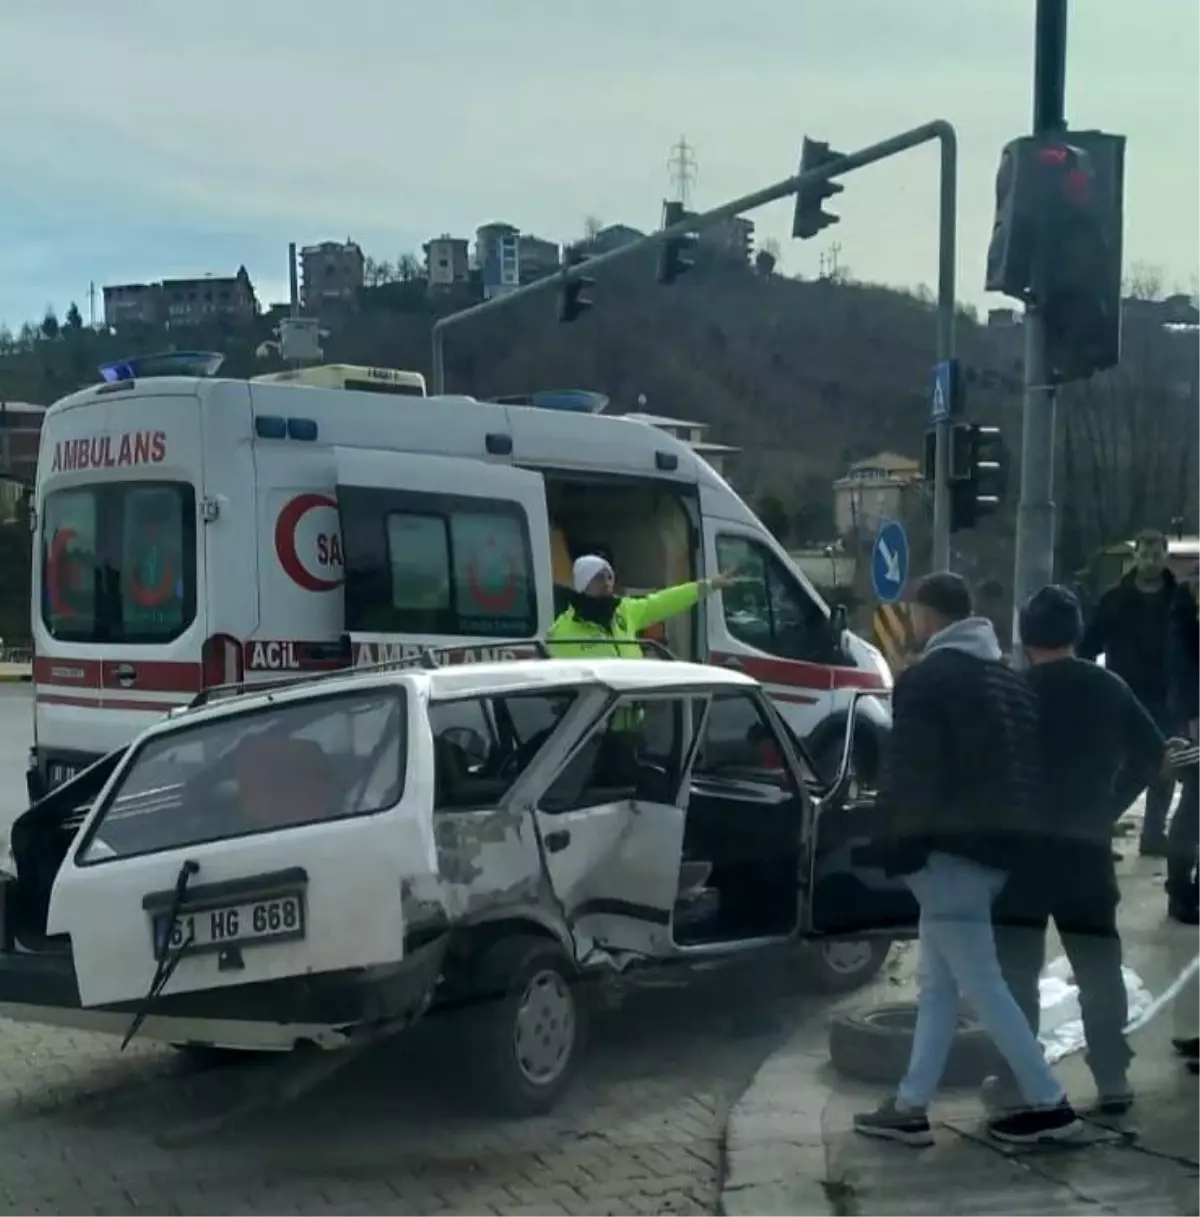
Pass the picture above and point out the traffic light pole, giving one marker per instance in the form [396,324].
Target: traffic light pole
[1035,512]
[947,239]
[939,130]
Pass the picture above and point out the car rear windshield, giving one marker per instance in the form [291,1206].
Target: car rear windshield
[260,771]
[119,562]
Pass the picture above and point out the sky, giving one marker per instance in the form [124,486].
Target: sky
[145,140]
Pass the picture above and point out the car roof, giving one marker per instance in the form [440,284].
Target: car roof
[456,681]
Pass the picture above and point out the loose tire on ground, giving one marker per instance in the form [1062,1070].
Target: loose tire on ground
[841,965]
[525,1033]
[873,1045]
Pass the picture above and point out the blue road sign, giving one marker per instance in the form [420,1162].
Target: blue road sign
[942,404]
[889,562]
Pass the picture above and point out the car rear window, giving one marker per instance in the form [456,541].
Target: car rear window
[260,771]
[119,562]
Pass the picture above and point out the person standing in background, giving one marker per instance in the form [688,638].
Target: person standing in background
[1130,628]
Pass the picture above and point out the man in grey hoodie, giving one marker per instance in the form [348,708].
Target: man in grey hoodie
[961,797]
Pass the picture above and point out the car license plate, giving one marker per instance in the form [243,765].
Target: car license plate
[277,918]
[59,772]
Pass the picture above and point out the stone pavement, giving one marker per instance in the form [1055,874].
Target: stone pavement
[790,1147]
[641,1132]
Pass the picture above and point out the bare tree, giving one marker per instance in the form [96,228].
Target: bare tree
[591,228]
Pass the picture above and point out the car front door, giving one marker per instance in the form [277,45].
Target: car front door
[846,892]
[610,824]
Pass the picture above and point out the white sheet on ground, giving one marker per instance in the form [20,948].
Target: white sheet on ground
[1061,1029]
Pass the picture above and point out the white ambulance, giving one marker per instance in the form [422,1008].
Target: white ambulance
[192,531]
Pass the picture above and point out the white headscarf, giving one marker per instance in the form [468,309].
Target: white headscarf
[586,569]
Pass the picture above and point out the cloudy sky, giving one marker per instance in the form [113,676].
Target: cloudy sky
[145,138]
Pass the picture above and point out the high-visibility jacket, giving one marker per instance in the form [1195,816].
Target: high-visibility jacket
[571,637]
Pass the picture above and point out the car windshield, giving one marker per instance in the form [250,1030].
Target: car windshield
[280,767]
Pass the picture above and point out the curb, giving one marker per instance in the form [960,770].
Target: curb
[12,678]
[776,1160]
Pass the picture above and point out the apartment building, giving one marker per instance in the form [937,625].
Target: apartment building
[498,257]
[331,272]
[447,262]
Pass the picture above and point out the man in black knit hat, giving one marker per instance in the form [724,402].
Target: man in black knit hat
[1100,749]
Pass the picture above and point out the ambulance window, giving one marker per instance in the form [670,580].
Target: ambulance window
[436,564]
[70,565]
[768,609]
[119,562]
[153,575]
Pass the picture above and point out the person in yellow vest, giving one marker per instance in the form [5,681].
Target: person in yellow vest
[598,623]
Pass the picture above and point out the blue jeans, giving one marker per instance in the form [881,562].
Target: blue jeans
[958,956]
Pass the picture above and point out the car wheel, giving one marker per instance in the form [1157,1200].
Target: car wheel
[840,965]
[527,1030]
[873,1045]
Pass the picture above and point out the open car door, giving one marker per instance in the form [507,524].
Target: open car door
[244,851]
[610,823]
[846,893]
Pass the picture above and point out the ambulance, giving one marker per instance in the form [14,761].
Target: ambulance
[194,531]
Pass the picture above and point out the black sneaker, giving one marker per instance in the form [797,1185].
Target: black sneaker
[1113,1098]
[1037,1126]
[890,1124]
[1193,1065]
[1187,1047]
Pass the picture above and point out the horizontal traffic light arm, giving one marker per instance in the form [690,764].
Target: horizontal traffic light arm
[939,129]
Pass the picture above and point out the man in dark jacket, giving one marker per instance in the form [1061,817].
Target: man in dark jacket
[961,795]
[1130,628]
[1099,750]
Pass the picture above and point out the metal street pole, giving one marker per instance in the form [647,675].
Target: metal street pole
[939,129]
[1034,566]
[947,244]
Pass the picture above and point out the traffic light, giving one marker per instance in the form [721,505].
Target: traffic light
[1056,243]
[809,219]
[573,303]
[978,473]
[673,256]
[1078,280]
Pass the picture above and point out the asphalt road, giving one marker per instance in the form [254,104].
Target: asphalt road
[393,1133]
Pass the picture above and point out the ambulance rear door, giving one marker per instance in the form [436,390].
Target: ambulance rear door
[120,579]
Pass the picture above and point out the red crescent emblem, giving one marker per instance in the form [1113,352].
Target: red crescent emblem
[152,597]
[56,568]
[493,602]
[286,524]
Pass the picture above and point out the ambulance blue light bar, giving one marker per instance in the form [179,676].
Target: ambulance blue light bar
[163,363]
[573,401]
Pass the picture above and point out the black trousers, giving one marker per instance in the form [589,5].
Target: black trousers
[1181,845]
[1077,887]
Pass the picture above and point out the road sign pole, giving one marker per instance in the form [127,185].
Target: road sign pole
[1035,512]
[947,244]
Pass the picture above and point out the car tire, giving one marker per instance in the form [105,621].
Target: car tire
[874,1044]
[841,965]
[527,1025]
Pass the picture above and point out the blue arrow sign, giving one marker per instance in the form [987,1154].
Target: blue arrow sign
[889,562]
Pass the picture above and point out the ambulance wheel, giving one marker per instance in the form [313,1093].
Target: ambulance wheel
[841,965]
[527,1029]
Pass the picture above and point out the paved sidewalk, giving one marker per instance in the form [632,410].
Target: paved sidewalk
[790,1148]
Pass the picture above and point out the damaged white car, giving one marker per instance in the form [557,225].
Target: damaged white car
[325,862]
